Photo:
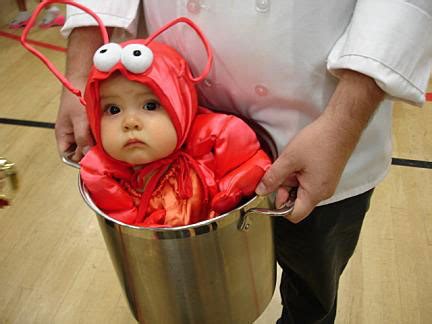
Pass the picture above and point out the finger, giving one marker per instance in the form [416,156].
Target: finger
[282,169]
[79,153]
[282,196]
[303,206]
[64,138]
[82,131]
[77,156]
[83,138]
[291,181]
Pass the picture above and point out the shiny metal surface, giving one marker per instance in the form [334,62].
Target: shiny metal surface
[66,159]
[209,272]
[8,182]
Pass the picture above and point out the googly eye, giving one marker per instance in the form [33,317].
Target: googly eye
[136,58]
[107,56]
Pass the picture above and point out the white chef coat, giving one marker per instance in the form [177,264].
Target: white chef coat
[276,61]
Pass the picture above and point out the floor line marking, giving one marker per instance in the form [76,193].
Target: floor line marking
[22,122]
[33,42]
[412,163]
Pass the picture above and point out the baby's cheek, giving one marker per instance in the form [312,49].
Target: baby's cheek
[108,137]
[168,139]
[168,134]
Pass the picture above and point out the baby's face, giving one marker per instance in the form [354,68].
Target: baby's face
[135,128]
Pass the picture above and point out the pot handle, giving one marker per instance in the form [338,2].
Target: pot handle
[284,211]
[66,159]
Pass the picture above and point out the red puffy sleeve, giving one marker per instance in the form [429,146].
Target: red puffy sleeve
[227,146]
[104,181]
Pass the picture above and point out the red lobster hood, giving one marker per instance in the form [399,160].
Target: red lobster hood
[167,77]
[153,64]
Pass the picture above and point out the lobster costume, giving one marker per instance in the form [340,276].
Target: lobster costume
[217,160]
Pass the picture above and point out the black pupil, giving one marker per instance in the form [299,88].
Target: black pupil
[114,110]
[151,106]
[137,53]
[103,51]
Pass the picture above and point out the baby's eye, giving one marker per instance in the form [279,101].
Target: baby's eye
[112,109]
[151,105]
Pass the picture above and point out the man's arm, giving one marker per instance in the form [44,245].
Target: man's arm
[72,129]
[314,160]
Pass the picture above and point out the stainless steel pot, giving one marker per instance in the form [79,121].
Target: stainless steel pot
[217,271]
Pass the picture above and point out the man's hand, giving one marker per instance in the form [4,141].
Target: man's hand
[72,128]
[314,160]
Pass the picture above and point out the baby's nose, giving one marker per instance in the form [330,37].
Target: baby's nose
[131,123]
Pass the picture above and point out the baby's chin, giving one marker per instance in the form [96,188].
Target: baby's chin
[137,161]
[138,158]
[132,159]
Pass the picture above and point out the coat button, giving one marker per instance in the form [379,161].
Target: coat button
[261,90]
[262,5]
[208,83]
[193,6]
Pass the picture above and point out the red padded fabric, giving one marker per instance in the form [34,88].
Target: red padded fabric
[221,168]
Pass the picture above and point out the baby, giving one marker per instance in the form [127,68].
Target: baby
[160,160]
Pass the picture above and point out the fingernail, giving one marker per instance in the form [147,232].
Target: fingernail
[261,189]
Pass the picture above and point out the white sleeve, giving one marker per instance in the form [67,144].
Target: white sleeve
[120,14]
[390,41]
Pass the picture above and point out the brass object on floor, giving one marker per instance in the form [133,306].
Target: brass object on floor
[8,182]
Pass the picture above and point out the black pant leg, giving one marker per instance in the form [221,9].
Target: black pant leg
[313,254]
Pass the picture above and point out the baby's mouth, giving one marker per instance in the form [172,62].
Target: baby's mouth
[134,142]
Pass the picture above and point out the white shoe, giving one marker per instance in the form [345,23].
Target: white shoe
[20,20]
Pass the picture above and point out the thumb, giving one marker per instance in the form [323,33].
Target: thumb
[276,175]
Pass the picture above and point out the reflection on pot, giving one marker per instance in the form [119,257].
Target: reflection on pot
[8,182]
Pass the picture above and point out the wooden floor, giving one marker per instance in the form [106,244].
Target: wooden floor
[54,267]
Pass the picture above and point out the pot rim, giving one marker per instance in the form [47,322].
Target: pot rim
[209,224]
